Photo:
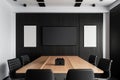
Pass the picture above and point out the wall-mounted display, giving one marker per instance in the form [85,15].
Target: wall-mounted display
[59,35]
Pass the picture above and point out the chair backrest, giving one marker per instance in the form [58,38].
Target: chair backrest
[105,65]
[25,59]
[80,74]
[13,65]
[93,59]
[39,74]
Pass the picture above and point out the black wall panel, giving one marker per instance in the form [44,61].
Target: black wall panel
[114,40]
[91,19]
[57,20]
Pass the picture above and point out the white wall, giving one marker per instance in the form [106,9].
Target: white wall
[106,35]
[6,37]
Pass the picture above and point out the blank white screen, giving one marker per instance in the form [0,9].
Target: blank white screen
[90,35]
[29,36]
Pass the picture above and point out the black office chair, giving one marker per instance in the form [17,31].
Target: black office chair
[105,65]
[80,74]
[13,65]
[39,74]
[93,59]
[25,59]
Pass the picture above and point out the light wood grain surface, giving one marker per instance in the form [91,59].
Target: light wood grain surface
[48,62]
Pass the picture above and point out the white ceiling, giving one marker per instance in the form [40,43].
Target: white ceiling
[61,3]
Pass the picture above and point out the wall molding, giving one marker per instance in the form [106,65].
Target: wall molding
[61,9]
[114,4]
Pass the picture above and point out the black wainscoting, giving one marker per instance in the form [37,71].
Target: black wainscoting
[115,40]
[58,20]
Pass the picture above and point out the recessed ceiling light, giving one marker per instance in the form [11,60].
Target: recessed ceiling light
[93,5]
[25,5]
[40,0]
[101,0]
[14,0]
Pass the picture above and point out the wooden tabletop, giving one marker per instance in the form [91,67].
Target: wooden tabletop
[48,62]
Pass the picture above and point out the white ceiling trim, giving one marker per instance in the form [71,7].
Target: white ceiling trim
[84,8]
[114,4]
[5,4]
[65,3]
[62,9]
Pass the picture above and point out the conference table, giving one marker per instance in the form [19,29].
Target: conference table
[48,62]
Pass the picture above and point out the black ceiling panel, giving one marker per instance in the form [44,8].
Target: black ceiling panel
[78,0]
[41,4]
[77,4]
[40,0]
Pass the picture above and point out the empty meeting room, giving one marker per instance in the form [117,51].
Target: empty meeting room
[59,39]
